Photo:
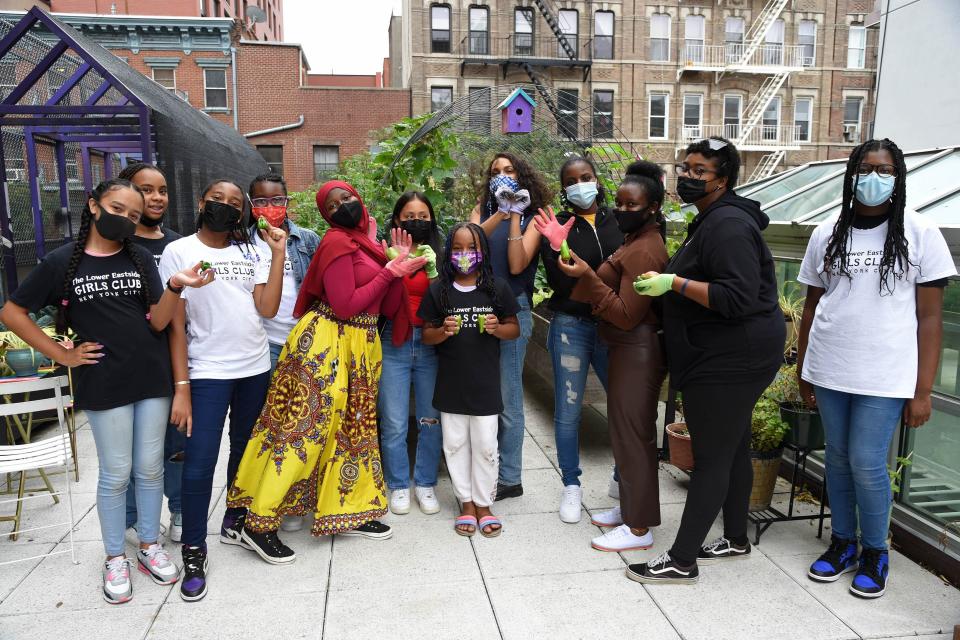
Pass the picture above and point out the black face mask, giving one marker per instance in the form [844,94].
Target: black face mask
[150,222]
[220,216]
[348,214]
[114,227]
[419,230]
[691,190]
[630,221]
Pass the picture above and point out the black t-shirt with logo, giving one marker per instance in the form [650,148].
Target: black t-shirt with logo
[157,245]
[105,307]
[468,373]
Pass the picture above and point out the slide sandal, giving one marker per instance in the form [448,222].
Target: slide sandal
[462,520]
[490,520]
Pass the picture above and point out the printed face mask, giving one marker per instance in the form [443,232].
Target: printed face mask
[874,189]
[503,181]
[348,214]
[630,221]
[582,194]
[272,214]
[220,216]
[419,230]
[114,227]
[466,262]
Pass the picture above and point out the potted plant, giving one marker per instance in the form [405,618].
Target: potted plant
[681,449]
[766,448]
[19,356]
[806,428]
[791,304]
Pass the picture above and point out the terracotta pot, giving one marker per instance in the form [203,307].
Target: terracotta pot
[681,449]
[766,467]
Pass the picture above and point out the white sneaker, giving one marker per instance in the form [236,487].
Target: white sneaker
[176,527]
[292,523]
[570,501]
[155,562]
[427,499]
[610,518]
[622,539]
[613,489]
[117,588]
[400,501]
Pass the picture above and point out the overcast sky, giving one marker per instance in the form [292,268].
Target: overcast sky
[340,36]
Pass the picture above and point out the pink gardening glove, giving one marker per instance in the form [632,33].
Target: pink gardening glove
[548,226]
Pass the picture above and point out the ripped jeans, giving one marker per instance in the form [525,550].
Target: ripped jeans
[574,344]
[470,447]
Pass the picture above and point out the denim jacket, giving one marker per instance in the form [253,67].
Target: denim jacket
[301,245]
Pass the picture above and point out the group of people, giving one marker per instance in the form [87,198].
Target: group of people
[312,346]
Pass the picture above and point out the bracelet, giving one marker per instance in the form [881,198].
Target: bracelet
[176,290]
[181,382]
[509,239]
[683,287]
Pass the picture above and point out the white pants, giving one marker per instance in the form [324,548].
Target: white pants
[470,447]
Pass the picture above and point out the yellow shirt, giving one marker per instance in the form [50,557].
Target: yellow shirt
[591,218]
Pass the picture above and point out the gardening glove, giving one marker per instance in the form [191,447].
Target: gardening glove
[653,284]
[521,200]
[430,268]
[551,229]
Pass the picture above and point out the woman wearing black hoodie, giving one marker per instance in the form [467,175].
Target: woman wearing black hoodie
[724,335]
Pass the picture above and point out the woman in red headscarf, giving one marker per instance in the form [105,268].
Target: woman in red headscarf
[314,448]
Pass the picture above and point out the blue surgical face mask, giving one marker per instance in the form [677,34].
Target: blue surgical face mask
[874,189]
[582,194]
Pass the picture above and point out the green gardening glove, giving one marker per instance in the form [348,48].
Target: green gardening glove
[426,251]
[653,284]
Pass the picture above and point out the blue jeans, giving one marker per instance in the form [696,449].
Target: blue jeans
[574,344]
[173,445]
[858,432]
[413,362]
[275,350]
[510,435]
[211,399]
[130,438]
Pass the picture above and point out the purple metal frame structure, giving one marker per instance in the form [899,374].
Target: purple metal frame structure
[123,129]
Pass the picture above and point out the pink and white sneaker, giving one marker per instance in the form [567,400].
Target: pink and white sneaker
[117,588]
[155,562]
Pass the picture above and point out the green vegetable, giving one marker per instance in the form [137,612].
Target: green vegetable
[204,265]
[481,321]
[459,323]
[392,253]
[262,223]
[564,251]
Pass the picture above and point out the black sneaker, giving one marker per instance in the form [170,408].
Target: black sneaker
[374,529]
[722,549]
[505,491]
[663,569]
[231,531]
[871,578]
[838,559]
[269,547]
[193,585]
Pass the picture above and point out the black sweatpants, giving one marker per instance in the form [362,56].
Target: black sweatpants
[718,417]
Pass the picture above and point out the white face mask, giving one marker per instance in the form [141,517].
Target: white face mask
[582,194]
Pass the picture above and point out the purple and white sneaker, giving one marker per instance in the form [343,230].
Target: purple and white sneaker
[193,587]
[231,531]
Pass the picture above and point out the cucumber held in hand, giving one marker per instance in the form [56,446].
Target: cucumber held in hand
[262,223]
[459,323]
[481,321]
[392,253]
[564,251]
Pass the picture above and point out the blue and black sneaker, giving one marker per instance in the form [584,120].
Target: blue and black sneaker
[871,578]
[839,559]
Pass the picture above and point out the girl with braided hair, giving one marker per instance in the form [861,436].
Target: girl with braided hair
[109,293]
[874,272]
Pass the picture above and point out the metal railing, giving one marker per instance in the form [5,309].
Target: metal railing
[524,46]
[731,56]
[762,136]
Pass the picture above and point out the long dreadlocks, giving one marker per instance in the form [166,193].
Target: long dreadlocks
[895,260]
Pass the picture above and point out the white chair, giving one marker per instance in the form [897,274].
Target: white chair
[45,454]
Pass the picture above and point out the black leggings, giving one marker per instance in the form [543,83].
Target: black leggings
[718,417]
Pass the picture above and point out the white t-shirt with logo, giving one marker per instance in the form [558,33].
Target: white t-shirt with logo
[225,334]
[279,326]
[862,340]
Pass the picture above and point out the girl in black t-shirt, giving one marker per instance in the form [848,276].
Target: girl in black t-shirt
[466,313]
[109,293]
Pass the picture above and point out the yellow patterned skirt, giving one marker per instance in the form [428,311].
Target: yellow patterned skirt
[314,448]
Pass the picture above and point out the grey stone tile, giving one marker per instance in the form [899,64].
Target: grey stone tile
[269,615]
[541,494]
[12,574]
[130,620]
[534,456]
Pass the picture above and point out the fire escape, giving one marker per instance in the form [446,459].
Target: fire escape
[755,55]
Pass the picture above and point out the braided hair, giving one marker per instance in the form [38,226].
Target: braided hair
[240,235]
[527,177]
[601,192]
[80,244]
[896,258]
[133,169]
[485,281]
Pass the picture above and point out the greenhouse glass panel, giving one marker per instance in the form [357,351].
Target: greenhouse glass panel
[931,180]
[799,180]
[810,200]
[946,211]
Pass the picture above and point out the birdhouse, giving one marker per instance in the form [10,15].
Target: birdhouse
[516,112]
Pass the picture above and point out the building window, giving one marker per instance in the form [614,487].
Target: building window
[568,125]
[693,31]
[8,77]
[807,39]
[857,47]
[215,88]
[603,114]
[658,115]
[731,116]
[603,35]
[273,155]
[733,39]
[523,31]
[166,78]
[660,37]
[326,161]
[569,26]
[479,41]
[692,116]
[478,114]
[440,97]
[770,128]
[802,116]
[852,111]
[773,45]
[440,28]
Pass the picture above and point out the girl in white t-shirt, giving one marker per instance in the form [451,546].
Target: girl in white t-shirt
[868,350]
[227,355]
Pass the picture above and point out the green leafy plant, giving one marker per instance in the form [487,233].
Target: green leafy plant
[896,474]
[767,429]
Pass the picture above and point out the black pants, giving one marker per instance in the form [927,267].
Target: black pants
[718,417]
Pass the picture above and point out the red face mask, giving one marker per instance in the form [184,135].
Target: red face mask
[274,215]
